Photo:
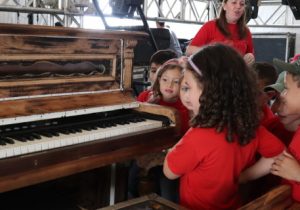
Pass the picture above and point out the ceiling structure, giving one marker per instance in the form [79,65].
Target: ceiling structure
[271,13]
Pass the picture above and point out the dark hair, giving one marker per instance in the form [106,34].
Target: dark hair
[229,98]
[265,71]
[296,78]
[160,23]
[169,65]
[59,24]
[223,25]
[162,56]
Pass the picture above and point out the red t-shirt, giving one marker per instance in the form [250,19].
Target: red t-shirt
[184,114]
[209,33]
[294,149]
[210,166]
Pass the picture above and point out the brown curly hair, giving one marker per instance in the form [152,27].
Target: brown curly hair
[229,98]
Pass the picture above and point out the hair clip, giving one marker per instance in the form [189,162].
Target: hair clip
[191,62]
[173,61]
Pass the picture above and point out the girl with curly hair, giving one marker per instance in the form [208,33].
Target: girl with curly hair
[221,92]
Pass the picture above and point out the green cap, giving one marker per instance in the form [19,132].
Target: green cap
[279,84]
[293,68]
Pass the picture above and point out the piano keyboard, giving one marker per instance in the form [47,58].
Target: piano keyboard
[28,138]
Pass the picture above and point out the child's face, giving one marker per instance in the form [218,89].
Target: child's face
[152,73]
[290,96]
[169,84]
[190,92]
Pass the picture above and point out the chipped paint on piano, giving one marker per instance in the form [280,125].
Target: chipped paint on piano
[49,75]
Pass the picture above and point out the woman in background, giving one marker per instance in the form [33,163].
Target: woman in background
[230,29]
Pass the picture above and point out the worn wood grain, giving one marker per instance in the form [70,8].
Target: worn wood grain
[276,199]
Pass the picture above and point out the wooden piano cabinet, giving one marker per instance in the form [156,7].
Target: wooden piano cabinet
[151,201]
[278,198]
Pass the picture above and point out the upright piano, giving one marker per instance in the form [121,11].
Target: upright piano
[66,104]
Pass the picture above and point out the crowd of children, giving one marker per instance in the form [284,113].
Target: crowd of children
[234,112]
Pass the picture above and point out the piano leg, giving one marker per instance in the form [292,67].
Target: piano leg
[112,184]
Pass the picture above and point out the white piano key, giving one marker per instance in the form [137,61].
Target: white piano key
[2,153]
[17,151]
[50,144]
[38,147]
[45,145]
[57,142]
[9,152]
[24,149]
[31,148]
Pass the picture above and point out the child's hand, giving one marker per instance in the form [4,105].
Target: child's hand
[153,99]
[286,166]
[249,58]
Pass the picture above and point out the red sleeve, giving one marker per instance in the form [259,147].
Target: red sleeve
[183,157]
[249,40]
[269,145]
[203,35]
[272,123]
[143,96]
[268,116]
[294,146]
[278,129]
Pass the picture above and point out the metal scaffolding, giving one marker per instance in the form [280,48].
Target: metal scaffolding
[71,12]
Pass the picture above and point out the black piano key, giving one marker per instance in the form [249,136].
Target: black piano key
[75,130]
[2,141]
[30,138]
[46,134]
[72,130]
[121,123]
[19,138]
[108,125]
[78,130]
[87,128]
[94,127]
[8,140]
[101,125]
[54,133]
[65,131]
[136,120]
[36,136]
